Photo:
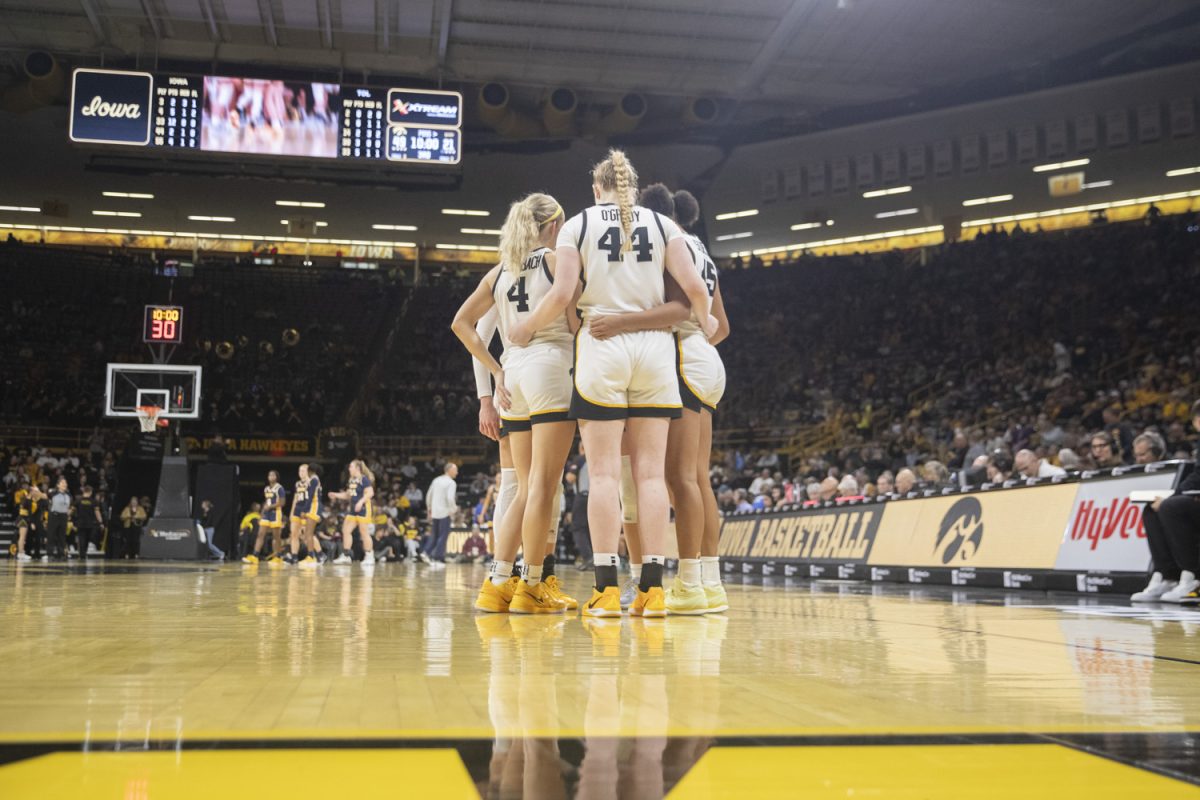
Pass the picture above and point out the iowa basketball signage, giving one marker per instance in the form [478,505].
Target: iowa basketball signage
[1105,530]
[842,535]
[111,107]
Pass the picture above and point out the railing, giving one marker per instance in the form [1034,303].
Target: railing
[61,438]
[472,449]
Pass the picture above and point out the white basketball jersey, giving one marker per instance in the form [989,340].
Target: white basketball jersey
[517,297]
[708,273]
[616,282]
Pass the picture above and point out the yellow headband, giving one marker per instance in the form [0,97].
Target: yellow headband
[554,216]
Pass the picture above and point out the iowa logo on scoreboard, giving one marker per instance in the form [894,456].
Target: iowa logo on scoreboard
[111,107]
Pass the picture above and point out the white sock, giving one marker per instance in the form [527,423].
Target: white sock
[605,559]
[504,498]
[635,571]
[689,571]
[501,572]
[555,516]
[532,575]
[710,569]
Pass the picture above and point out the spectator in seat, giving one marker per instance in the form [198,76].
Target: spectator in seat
[885,484]
[999,467]
[1120,432]
[1173,535]
[1148,448]
[1069,460]
[742,501]
[829,489]
[1104,453]
[1031,466]
[936,475]
[761,484]
[906,481]
[847,489]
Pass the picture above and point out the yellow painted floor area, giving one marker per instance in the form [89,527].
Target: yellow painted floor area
[161,656]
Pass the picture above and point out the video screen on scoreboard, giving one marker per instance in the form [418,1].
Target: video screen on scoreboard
[266,117]
[277,118]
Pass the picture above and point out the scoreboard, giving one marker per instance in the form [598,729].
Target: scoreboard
[265,117]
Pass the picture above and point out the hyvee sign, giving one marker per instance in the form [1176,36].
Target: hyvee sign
[1105,530]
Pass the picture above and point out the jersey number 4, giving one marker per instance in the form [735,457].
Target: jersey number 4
[517,294]
[640,241]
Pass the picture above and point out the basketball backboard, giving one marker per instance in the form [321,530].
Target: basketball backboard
[173,388]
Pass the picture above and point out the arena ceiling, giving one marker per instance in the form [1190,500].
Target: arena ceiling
[775,66]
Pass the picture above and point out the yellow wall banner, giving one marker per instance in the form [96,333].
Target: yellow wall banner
[1020,529]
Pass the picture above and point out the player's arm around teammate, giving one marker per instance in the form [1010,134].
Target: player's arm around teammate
[534,401]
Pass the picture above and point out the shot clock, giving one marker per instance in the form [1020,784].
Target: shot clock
[164,325]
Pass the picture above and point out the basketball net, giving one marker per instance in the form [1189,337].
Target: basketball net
[148,418]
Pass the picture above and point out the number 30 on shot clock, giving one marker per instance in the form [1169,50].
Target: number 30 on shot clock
[164,325]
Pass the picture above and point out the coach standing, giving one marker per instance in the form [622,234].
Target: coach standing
[56,530]
[442,501]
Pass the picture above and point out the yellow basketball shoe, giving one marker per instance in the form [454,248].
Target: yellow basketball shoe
[604,604]
[686,600]
[651,603]
[250,559]
[534,599]
[495,599]
[718,601]
[558,594]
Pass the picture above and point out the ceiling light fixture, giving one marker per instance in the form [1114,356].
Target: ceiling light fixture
[982,201]
[886,192]
[749,212]
[1079,162]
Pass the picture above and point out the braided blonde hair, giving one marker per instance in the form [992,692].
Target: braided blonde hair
[616,174]
[523,227]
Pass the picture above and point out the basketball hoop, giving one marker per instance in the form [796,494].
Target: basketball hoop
[148,418]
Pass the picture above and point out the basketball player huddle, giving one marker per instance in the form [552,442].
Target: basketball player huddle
[608,320]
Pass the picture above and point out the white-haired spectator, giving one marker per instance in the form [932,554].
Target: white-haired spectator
[1148,447]
[906,481]
[848,488]
[813,492]
[1030,465]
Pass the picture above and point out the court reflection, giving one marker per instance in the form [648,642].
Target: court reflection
[647,686]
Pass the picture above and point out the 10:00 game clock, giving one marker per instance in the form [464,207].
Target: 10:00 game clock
[164,325]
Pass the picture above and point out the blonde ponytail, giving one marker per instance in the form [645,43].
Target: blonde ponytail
[362,467]
[523,229]
[616,174]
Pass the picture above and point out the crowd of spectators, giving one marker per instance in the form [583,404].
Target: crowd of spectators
[33,473]
[994,346]
[283,349]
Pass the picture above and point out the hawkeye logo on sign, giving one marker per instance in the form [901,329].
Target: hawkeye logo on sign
[837,534]
[960,533]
